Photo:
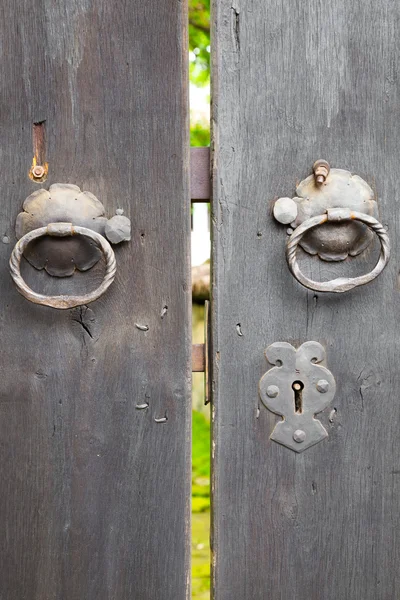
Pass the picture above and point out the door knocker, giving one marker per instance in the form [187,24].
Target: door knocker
[334,215]
[63,229]
[297,388]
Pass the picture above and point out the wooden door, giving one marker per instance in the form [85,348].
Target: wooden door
[94,486]
[295,82]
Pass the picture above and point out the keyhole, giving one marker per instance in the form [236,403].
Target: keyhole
[297,387]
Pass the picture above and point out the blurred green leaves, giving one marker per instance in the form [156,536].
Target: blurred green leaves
[200,463]
[199,41]
[200,133]
[199,70]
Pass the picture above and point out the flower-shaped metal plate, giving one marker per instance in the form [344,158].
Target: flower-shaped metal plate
[341,189]
[60,257]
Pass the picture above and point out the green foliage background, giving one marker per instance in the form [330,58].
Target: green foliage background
[199,65]
[200,507]
[199,41]
[199,46]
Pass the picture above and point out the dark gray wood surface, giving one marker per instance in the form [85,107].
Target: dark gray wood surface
[94,492]
[294,82]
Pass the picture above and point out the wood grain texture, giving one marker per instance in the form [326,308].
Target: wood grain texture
[200,182]
[95,406]
[294,82]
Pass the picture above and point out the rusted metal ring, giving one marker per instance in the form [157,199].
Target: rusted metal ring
[61,230]
[341,284]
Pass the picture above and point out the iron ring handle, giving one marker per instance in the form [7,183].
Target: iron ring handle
[341,284]
[61,230]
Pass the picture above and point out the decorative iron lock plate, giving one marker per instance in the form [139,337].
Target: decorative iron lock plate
[297,388]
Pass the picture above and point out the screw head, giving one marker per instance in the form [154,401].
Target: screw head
[272,391]
[299,436]
[322,386]
[38,171]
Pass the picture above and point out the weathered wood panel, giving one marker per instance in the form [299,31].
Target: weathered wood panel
[200,181]
[294,82]
[95,489]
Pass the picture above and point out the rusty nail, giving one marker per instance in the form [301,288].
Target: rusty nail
[321,170]
[38,171]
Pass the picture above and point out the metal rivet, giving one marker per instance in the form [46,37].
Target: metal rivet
[299,436]
[38,171]
[322,386]
[272,391]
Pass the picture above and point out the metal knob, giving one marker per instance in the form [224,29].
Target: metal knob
[61,230]
[341,284]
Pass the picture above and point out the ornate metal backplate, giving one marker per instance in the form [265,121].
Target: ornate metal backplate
[340,189]
[66,203]
[297,388]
